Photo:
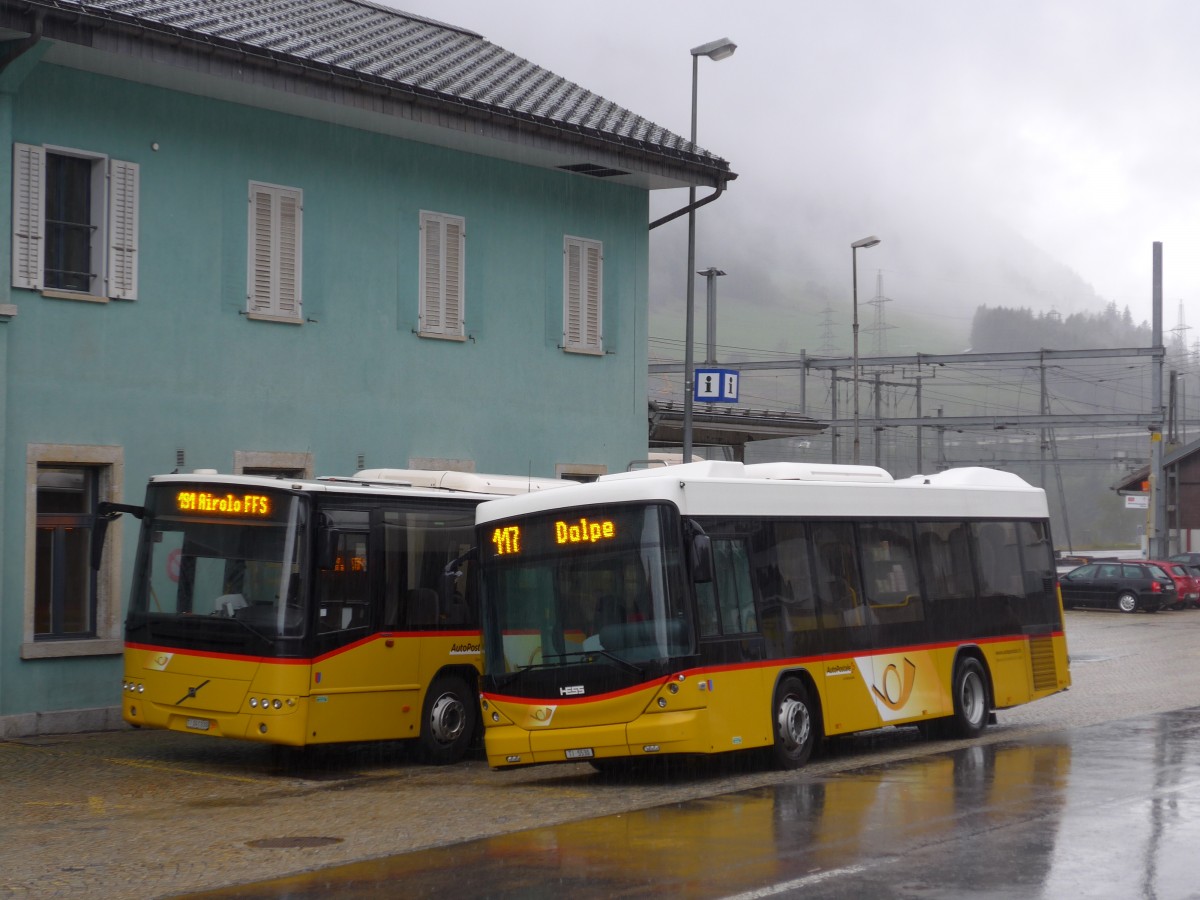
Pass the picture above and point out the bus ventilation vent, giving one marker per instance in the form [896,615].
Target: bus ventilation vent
[1041,657]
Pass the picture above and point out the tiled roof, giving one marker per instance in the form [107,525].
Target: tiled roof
[379,44]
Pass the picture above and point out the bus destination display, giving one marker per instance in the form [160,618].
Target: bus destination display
[253,506]
[507,538]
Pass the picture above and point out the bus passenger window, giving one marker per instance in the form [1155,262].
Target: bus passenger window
[890,572]
[343,597]
[838,586]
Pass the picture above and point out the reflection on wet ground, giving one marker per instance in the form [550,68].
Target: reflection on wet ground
[1110,810]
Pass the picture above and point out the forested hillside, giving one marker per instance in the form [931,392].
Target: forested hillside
[998,329]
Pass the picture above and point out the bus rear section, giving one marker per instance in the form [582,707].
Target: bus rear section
[717,607]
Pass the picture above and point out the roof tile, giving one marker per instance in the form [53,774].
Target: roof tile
[359,37]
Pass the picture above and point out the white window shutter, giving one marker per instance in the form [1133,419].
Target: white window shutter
[574,288]
[262,252]
[593,335]
[441,276]
[583,295]
[28,217]
[431,275]
[452,309]
[276,240]
[122,229]
[288,294]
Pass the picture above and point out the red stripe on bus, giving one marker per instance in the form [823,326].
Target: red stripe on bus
[783,662]
[301,661]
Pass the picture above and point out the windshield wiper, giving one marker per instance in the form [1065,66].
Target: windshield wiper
[599,651]
[250,628]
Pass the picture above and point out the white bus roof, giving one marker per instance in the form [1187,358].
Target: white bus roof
[725,488]
[422,483]
[462,481]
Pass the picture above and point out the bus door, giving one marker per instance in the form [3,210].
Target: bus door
[352,699]
[848,631]
[730,635]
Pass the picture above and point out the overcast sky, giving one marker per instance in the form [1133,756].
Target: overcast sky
[1072,121]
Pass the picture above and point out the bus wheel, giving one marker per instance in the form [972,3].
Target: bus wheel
[449,721]
[969,690]
[794,719]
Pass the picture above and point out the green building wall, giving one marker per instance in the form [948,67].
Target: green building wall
[182,367]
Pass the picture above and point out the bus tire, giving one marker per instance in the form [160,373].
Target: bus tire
[970,692]
[448,722]
[795,723]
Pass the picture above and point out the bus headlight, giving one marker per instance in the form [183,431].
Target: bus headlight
[254,703]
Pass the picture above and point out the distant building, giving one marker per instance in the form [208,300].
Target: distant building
[301,237]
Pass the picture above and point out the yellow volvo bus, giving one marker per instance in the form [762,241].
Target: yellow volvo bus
[300,612]
[716,606]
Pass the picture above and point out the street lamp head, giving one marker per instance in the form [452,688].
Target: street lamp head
[710,271]
[864,243]
[715,50]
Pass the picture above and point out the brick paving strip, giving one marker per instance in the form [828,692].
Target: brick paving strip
[153,814]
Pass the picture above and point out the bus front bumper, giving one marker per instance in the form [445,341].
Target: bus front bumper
[679,731]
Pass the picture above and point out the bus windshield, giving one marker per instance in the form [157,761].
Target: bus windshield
[219,563]
[601,583]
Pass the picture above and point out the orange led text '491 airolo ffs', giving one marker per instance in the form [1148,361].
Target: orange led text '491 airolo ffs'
[584,532]
[230,504]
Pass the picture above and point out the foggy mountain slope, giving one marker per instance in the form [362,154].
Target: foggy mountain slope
[791,261]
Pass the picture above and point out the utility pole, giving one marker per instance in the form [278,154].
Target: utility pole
[878,422]
[833,411]
[1159,542]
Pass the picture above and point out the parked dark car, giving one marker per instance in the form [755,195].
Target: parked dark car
[1127,586]
[1188,559]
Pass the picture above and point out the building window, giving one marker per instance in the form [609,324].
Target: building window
[273,463]
[443,249]
[274,253]
[71,609]
[64,583]
[75,223]
[583,296]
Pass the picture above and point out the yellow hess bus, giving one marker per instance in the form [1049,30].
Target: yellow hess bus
[301,612]
[717,606]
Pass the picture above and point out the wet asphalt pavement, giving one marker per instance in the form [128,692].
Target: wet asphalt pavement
[1106,811]
[1091,793]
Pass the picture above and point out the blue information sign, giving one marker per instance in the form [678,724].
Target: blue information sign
[716,386]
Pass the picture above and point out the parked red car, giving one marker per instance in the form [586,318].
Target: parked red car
[1187,585]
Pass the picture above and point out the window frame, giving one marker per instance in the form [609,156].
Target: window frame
[109,466]
[274,255]
[113,211]
[583,296]
[441,304]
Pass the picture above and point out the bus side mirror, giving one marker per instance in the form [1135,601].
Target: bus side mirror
[453,571]
[702,559]
[106,511]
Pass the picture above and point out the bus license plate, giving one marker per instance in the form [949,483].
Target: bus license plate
[198,724]
[585,753]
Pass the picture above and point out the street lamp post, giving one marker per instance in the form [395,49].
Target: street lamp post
[716,51]
[712,273]
[854,248]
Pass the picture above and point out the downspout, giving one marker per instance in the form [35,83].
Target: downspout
[691,206]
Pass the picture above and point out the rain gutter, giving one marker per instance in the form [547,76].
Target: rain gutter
[690,207]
